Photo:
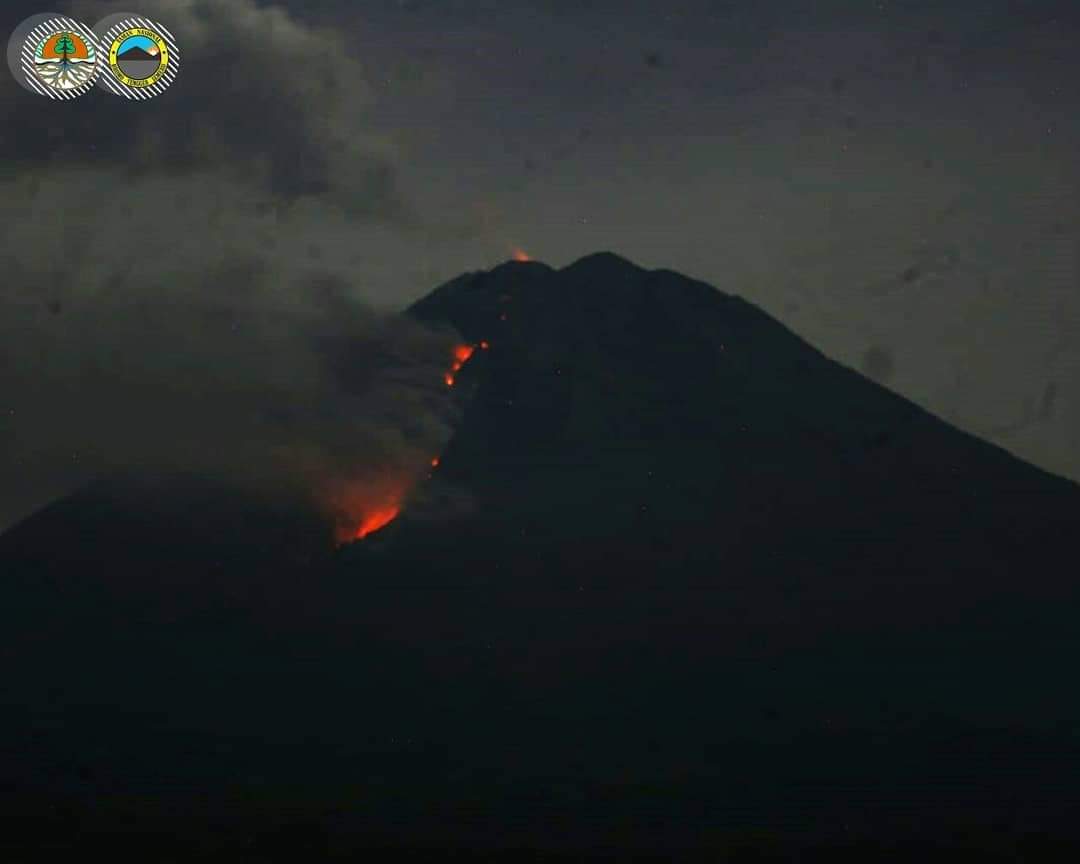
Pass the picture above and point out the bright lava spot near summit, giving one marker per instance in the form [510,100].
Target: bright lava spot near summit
[520,255]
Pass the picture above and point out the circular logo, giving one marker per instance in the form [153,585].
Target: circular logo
[65,60]
[143,58]
[139,57]
[54,56]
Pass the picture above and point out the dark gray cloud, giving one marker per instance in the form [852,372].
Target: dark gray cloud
[196,348]
[183,285]
[260,96]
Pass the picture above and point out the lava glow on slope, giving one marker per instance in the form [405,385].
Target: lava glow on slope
[376,519]
[363,506]
[461,355]
[369,508]
[520,255]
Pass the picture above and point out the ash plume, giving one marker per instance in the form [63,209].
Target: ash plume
[179,295]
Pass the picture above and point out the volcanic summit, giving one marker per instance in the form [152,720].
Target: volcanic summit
[674,561]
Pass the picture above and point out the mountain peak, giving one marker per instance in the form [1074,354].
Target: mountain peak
[602,260]
[660,514]
[517,266]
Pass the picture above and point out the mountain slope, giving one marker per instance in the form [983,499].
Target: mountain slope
[674,561]
[660,407]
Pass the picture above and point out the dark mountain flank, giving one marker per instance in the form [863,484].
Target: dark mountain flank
[679,582]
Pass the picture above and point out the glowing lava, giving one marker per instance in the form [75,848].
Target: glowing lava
[376,519]
[363,507]
[520,255]
[461,355]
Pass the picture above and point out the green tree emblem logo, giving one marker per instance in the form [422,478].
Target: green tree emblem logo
[70,63]
[64,46]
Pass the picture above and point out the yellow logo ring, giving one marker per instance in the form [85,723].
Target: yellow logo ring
[163,54]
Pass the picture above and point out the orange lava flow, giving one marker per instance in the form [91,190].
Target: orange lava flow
[376,519]
[364,509]
[365,506]
[461,355]
[520,255]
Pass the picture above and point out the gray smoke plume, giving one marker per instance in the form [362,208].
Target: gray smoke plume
[170,300]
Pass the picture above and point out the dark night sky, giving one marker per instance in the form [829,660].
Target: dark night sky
[896,183]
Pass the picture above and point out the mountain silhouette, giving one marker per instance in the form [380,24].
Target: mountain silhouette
[701,588]
[137,52]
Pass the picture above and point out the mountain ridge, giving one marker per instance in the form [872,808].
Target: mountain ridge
[690,556]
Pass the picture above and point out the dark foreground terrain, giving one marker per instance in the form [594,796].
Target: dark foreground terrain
[697,591]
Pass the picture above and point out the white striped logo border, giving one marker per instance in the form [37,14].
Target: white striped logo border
[118,87]
[29,47]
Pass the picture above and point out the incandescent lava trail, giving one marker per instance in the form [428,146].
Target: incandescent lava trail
[368,508]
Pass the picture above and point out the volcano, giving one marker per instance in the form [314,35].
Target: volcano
[137,52]
[700,588]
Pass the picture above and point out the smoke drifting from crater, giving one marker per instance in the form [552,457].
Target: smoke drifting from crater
[199,351]
[170,302]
